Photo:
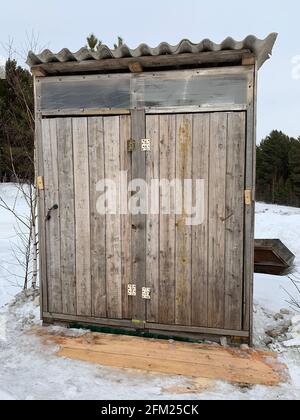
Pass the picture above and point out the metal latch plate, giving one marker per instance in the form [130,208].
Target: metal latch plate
[131,145]
[248,197]
[40,183]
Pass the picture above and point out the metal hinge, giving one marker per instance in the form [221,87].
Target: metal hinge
[131,290]
[138,324]
[146,145]
[248,197]
[146,293]
[130,145]
[40,183]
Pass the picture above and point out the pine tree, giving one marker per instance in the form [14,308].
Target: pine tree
[16,123]
[120,43]
[273,168]
[93,42]
[294,162]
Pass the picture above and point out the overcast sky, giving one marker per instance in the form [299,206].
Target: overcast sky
[66,23]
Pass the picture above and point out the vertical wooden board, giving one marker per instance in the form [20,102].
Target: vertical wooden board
[217,193]
[53,225]
[153,234]
[234,257]
[167,273]
[250,174]
[113,221]
[98,233]
[82,216]
[184,163]
[201,131]
[138,124]
[41,218]
[67,215]
[125,166]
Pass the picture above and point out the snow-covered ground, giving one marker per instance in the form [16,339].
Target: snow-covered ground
[10,270]
[30,371]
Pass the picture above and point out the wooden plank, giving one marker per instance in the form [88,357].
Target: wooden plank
[50,157]
[67,215]
[217,216]
[113,222]
[38,71]
[82,215]
[234,249]
[250,174]
[197,333]
[190,360]
[153,232]
[138,124]
[236,71]
[39,172]
[228,57]
[41,218]
[184,163]
[195,109]
[84,112]
[167,276]
[174,329]
[98,221]
[126,224]
[249,59]
[135,67]
[201,128]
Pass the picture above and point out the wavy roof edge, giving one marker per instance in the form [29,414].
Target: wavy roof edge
[262,48]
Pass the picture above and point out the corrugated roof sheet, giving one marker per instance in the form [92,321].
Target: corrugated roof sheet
[261,48]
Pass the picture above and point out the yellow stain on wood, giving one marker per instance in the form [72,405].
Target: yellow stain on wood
[185,137]
[212,362]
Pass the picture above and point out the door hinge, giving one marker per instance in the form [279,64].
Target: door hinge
[146,145]
[40,183]
[131,290]
[130,145]
[248,197]
[146,293]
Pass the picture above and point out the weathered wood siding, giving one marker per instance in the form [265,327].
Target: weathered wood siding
[196,272]
[88,254]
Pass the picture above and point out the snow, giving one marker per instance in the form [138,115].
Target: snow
[32,371]
[276,222]
[10,282]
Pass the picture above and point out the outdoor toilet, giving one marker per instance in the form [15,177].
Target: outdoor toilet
[172,119]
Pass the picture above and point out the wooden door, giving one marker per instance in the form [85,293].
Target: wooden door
[195,273]
[88,255]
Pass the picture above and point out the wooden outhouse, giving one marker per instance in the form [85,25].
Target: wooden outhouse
[169,113]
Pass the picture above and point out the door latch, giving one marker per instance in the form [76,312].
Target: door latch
[248,197]
[48,217]
[40,183]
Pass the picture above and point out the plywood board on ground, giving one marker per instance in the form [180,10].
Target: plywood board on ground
[213,362]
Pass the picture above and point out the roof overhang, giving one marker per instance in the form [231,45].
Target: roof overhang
[186,54]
